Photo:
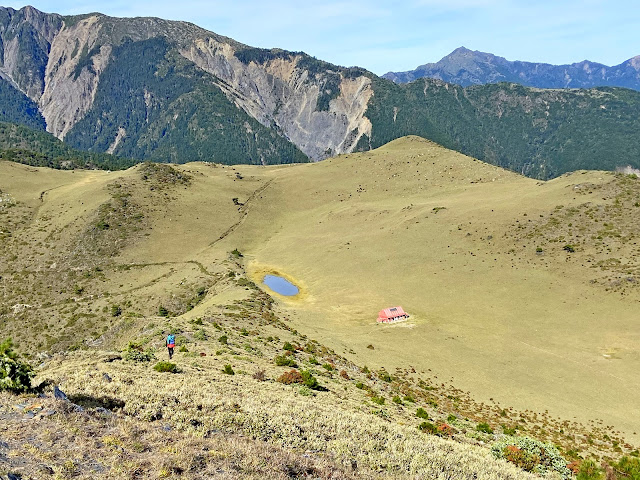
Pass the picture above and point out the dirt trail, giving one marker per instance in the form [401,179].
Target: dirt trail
[244,210]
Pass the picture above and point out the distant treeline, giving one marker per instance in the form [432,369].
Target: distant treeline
[22,144]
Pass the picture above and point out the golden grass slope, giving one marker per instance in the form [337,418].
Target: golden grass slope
[469,250]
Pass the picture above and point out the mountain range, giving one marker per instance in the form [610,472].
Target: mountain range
[468,67]
[168,91]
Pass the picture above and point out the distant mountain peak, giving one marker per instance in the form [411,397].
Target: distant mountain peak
[462,49]
[471,67]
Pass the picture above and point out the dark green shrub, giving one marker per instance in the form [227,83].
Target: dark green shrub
[428,427]
[314,361]
[309,380]
[569,248]
[385,376]
[289,347]
[484,428]
[162,311]
[223,339]
[328,366]
[15,375]
[116,311]
[285,361]
[377,399]
[245,282]
[166,367]
[183,349]
[136,353]
[236,253]
[422,413]
[360,385]
[228,370]
[451,417]
[396,399]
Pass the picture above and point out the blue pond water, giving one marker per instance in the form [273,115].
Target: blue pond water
[280,285]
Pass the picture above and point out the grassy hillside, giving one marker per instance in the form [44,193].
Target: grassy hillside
[522,297]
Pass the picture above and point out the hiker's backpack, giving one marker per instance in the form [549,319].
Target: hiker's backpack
[171,341]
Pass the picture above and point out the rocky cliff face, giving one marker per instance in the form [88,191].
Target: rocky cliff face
[466,67]
[58,61]
[25,41]
[282,93]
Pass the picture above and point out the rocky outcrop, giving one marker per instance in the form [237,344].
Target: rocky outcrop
[72,75]
[25,41]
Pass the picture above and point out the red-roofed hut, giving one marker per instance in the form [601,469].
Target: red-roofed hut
[393,314]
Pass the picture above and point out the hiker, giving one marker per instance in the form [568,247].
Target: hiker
[171,342]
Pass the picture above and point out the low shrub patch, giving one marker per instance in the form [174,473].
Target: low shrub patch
[292,376]
[428,427]
[310,381]
[285,361]
[484,428]
[135,352]
[532,456]
[422,413]
[166,367]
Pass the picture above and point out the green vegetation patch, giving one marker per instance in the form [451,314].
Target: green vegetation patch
[532,456]
[15,375]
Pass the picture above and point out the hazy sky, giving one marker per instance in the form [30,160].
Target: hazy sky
[396,36]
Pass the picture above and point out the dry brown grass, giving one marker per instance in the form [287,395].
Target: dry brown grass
[91,445]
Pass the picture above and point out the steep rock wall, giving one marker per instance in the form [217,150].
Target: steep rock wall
[69,88]
[280,94]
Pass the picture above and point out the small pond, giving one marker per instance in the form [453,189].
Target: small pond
[280,285]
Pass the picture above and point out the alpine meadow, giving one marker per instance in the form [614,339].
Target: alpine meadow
[152,173]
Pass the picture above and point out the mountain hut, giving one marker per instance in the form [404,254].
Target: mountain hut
[392,314]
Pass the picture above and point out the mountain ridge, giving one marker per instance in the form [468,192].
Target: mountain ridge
[168,91]
[471,67]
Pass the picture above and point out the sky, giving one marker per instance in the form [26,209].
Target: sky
[398,36]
